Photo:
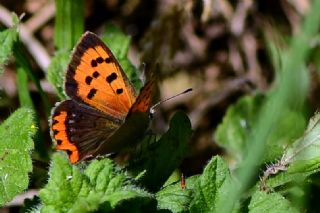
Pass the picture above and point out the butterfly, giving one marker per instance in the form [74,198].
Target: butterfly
[104,113]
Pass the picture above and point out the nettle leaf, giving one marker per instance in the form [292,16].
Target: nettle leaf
[236,126]
[100,186]
[304,154]
[270,202]
[7,39]
[176,199]
[162,157]
[300,160]
[212,187]
[119,44]
[56,71]
[16,145]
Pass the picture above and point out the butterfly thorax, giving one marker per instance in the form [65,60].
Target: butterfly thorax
[127,135]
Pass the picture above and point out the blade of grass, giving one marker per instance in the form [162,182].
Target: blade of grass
[290,92]
[24,63]
[23,90]
[69,23]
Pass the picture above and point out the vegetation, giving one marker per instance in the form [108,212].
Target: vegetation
[246,139]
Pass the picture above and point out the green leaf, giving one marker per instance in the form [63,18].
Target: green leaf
[233,132]
[69,23]
[119,44]
[7,39]
[162,157]
[304,154]
[99,187]
[211,187]
[176,199]
[299,161]
[56,71]
[15,149]
[272,202]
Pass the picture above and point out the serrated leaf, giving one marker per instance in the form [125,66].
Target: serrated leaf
[176,199]
[162,157]
[7,39]
[16,145]
[212,187]
[304,154]
[302,158]
[119,44]
[272,203]
[236,125]
[56,71]
[99,187]
[233,132]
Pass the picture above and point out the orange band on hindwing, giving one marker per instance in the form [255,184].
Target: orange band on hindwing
[59,132]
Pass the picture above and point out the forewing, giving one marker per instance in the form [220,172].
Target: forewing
[94,77]
[145,99]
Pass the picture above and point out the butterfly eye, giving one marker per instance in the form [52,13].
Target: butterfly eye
[151,112]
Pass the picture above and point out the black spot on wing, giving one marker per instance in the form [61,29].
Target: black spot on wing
[108,60]
[91,93]
[94,63]
[55,122]
[88,80]
[95,74]
[99,60]
[69,152]
[119,91]
[111,77]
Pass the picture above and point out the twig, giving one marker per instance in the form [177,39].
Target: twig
[250,48]
[202,108]
[35,48]
[41,17]
[19,199]
[239,17]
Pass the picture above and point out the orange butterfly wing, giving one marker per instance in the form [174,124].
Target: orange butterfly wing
[94,77]
[145,98]
[103,99]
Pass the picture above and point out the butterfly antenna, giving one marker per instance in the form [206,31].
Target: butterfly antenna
[152,109]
